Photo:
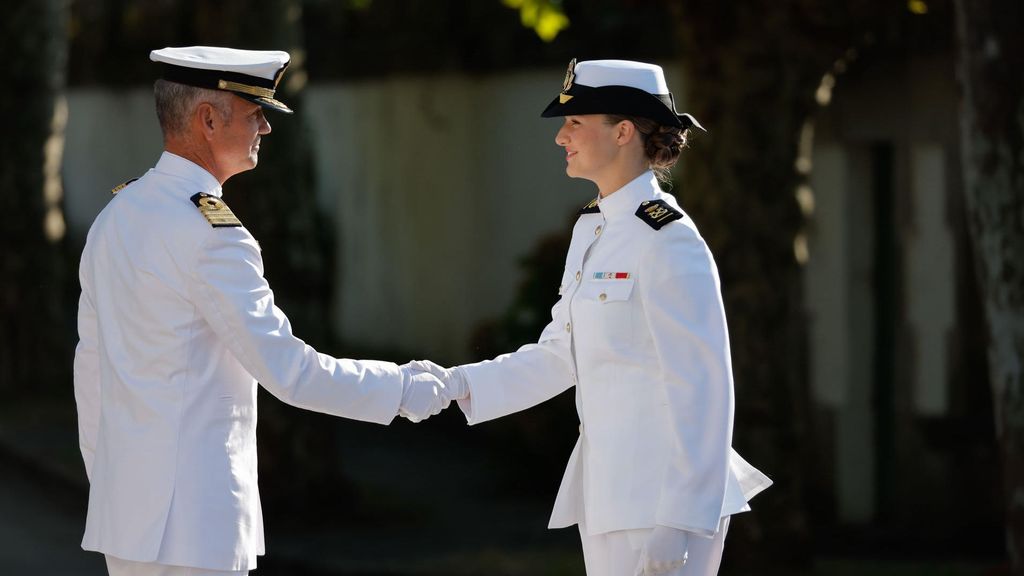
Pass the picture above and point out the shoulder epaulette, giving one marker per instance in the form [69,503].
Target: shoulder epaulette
[590,208]
[121,186]
[657,213]
[215,210]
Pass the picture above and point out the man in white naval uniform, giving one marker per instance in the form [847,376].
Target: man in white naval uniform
[177,325]
[640,331]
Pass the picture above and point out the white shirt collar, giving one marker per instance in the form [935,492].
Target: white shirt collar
[177,167]
[625,200]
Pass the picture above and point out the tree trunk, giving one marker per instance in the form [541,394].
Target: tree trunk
[751,71]
[738,182]
[277,200]
[992,143]
[34,346]
[301,472]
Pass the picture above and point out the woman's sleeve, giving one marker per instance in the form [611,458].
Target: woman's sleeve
[684,310]
[524,378]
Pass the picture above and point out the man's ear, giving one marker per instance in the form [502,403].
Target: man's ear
[207,118]
[625,131]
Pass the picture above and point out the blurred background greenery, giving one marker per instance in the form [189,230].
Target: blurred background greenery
[860,187]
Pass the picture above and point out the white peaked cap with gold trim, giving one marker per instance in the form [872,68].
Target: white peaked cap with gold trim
[647,77]
[251,74]
[620,87]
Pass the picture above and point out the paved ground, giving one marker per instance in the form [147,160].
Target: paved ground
[451,520]
[455,514]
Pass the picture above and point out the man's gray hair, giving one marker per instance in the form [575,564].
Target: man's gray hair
[176,102]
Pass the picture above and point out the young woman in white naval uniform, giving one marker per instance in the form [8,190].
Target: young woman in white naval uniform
[640,330]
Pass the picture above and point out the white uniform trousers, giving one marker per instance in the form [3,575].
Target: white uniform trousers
[119,567]
[618,553]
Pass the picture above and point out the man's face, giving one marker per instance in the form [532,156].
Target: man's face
[236,144]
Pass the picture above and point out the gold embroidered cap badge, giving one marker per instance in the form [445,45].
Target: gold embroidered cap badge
[570,76]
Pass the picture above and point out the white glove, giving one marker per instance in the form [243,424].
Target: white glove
[422,395]
[664,551]
[454,379]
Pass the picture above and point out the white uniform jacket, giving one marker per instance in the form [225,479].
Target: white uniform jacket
[640,331]
[176,326]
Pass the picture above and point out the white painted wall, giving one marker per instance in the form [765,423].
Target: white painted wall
[437,185]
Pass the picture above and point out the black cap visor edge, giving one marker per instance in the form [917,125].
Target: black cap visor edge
[623,100]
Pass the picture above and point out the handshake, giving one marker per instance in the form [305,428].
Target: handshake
[428,388]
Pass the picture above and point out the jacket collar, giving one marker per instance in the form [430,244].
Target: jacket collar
[624,201]
[177,167]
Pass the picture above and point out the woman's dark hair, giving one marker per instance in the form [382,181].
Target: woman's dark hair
[662,144]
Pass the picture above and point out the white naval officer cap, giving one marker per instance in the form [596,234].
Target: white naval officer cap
[250,74]
[618,87]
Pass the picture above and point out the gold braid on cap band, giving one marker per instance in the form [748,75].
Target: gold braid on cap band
[245,88]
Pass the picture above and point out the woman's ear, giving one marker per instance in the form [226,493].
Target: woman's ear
[625,131]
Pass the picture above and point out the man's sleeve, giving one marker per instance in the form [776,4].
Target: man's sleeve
[233,296]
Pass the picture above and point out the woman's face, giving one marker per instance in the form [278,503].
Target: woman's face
[590,145]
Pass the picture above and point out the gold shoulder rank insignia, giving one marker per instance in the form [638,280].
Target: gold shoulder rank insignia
[121,186]
[657,213]
[590,208]
[215,211]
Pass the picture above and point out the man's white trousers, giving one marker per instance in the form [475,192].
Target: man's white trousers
[617,553]
[119,567]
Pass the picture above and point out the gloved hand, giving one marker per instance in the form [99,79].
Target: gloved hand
[664,551]
[454,379]
[422,395]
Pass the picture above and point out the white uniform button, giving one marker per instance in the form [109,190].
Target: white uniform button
[597,231]
[581,429]
[579,274]
[602,297]
[568,327]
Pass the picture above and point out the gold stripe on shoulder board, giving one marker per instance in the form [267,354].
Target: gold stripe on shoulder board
[215,211]
[121,186]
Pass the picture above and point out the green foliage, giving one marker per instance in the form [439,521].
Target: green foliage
[542,436]
[530,310]
[545,17]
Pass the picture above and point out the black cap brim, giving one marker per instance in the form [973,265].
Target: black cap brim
[623,100]
[268,103]
[257,90]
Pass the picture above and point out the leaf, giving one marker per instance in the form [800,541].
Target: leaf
[550,23]
[545,17]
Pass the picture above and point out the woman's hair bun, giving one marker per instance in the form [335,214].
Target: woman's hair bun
[664,145]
